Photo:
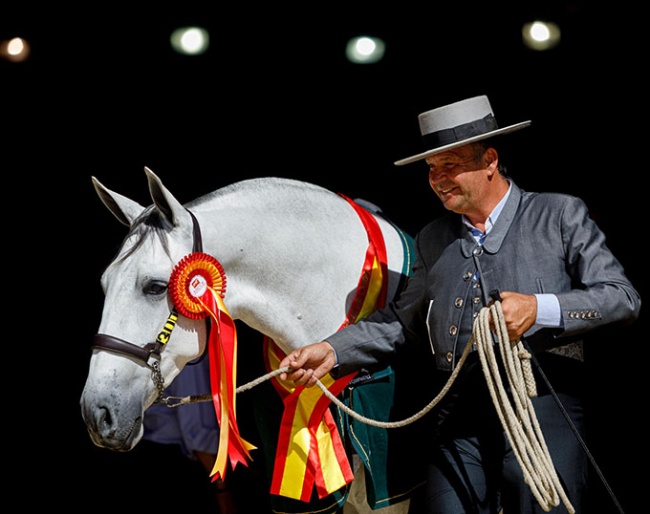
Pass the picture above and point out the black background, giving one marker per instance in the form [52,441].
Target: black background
[104,95]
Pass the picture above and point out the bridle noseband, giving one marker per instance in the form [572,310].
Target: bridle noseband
[149,354]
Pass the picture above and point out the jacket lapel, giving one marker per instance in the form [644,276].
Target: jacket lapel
[498,233]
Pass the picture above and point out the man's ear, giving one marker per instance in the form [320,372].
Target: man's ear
[492,158]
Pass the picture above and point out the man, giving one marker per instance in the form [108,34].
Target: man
[544,259]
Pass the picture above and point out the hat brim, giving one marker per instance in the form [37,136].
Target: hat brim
[428,153]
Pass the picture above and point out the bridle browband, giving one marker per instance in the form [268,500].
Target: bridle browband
[149,354]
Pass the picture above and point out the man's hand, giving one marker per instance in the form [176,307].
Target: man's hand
[309,363]
[519,313]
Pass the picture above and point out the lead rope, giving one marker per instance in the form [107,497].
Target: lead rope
[519,422]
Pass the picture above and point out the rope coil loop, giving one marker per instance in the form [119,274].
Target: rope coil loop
[519,422]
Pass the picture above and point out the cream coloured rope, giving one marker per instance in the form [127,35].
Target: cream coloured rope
[519,422]
[176,401]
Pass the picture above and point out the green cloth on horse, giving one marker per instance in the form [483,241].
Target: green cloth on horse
[386,453]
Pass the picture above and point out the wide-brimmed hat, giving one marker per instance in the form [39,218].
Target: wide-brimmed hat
[456,125]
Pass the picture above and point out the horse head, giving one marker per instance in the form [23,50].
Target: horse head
[131,362]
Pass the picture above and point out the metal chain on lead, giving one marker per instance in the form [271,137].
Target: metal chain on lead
[156,376]
[176,401]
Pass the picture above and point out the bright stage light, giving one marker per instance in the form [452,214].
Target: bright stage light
[15,49]
[540,35]
[190,40]
[365,50]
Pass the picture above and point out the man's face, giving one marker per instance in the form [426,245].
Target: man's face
[455,176]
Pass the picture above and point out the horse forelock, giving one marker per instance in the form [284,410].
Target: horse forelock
[149,224]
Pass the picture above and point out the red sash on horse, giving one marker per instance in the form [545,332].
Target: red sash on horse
[310,452]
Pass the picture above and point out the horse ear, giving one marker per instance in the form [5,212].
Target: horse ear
[123,208]
[164,201]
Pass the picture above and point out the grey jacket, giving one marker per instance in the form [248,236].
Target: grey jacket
[541,243]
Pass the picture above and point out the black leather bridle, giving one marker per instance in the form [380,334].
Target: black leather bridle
[149,354]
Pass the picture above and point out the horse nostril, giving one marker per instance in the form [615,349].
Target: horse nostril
[104,421]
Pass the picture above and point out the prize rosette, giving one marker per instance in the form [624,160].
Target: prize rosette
[197,286]
[193,276]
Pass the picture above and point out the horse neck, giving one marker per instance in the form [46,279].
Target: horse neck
[270,249]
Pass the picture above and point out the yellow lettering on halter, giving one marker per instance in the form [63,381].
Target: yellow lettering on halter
[166,332]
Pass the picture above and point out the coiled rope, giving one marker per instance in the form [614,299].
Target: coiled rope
[519,421]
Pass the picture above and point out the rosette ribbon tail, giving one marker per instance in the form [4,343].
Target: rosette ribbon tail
[223,380]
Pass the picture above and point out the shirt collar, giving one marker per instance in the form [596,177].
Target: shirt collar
[492,218]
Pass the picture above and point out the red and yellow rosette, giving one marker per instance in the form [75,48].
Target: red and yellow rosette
[197,286]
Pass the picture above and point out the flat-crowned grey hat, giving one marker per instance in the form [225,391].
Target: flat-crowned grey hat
[456,125]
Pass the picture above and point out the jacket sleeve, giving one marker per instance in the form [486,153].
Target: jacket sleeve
[600,293]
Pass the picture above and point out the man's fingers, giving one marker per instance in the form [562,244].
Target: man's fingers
[294,373]
[301,376]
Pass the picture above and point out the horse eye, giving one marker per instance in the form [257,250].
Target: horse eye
[155,287]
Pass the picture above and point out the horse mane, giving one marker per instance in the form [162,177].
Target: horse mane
[286,186]
[151,223]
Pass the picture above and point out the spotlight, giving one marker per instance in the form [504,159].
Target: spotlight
[365,50]
[14,50]
[540,35]
[190,40]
